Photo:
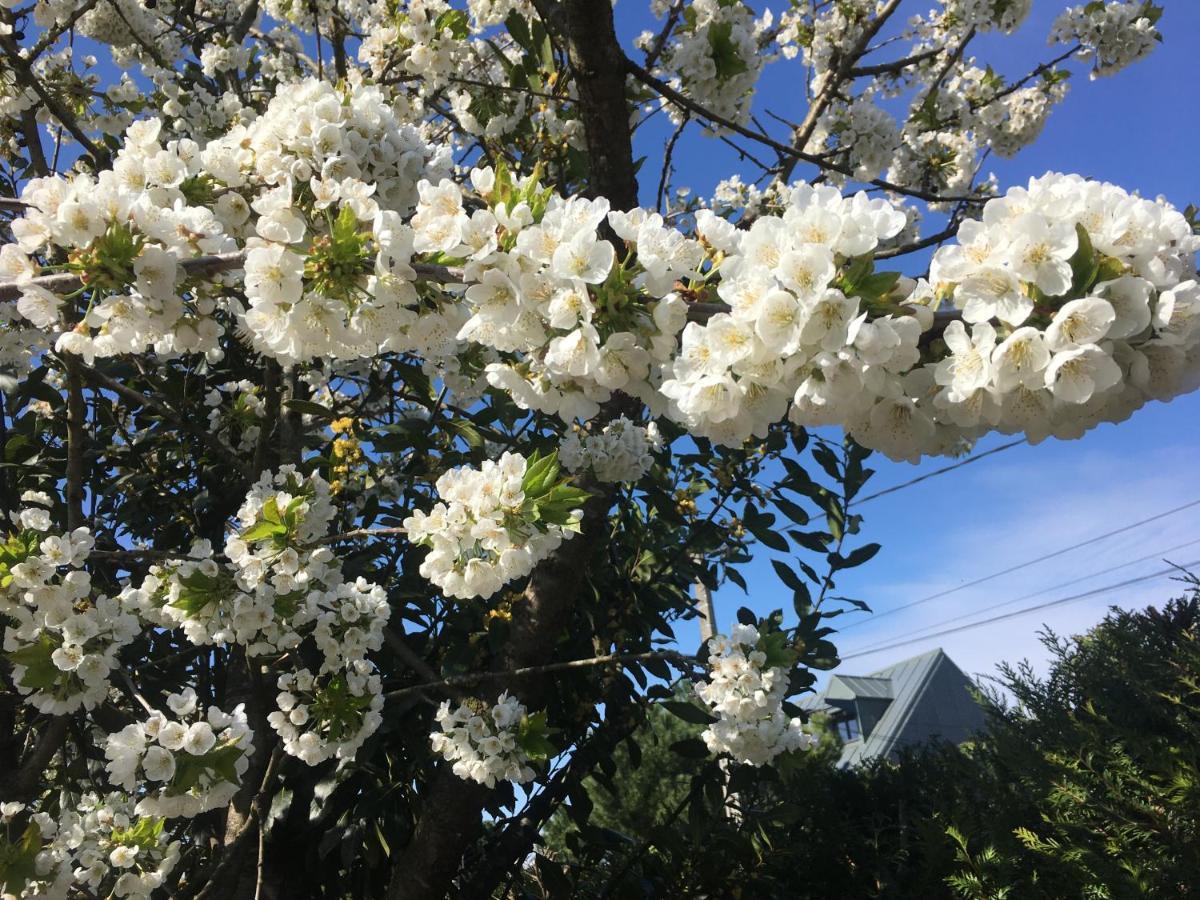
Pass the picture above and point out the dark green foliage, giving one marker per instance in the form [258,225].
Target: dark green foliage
[1086,785]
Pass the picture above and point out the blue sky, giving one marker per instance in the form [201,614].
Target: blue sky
[1137,129]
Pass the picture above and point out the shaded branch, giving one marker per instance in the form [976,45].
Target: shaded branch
[100,380]
[196,266]
[472,678]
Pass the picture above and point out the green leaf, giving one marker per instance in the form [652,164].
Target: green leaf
[41,674]
[787,576]
[876,286]
[308,408]
[14,445]
[761,525]
[816,541]
[692,748]
[531,737]
[689,712]
[518,27]
[270,510]
[793,511]
[724,54]
[198,591]
[859,268]
[18,862]
[541,473]
[262,531]
[218,763]
[774,645]
[455,21]
[467,432]
[1084,264]
[558,506]
[855,557]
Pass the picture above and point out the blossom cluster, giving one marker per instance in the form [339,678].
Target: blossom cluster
[281,591]
[126,230]
[277,588]
[736,374]
[311,190]
[237,422]
[92,843]
[745,690]
[713,57]
[62,641]
[327,715]
[1080,303]
[181,764]
[864,133]
[1112,34]
[1081,299]
[484,742]
[331,175]
[621,451]
[565,322]
[493,524]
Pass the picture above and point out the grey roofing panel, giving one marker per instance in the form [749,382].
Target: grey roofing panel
[931,699]
[863,686]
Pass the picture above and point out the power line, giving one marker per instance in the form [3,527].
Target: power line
[1019,566]
[975,457]
[1021,612]
[975,612]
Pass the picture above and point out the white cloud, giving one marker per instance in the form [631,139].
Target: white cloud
[1011,512]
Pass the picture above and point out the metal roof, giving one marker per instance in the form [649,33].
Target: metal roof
[853,686]
[929,695]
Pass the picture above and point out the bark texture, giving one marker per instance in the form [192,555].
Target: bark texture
[451,809]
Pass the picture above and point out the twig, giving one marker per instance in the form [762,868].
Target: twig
[833,83]
[680,100]
[25,75]
[134,692]
[22,784]
[894,66]
[472,678]
[407,655]
[76,415]
[668,155]
[199,266]
[99,379]
[65,282]
[660,41]
[232,849]
[356,533]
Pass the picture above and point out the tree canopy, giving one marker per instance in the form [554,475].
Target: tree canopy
[365,440]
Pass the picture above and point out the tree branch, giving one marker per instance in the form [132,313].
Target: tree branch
[104,382]
[821,162]
[25,75]
[196,266]
[831,86]
[681,660]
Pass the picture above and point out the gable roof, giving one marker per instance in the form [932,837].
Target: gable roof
[926,697]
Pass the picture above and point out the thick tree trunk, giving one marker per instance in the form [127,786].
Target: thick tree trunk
[451,809]
[599,67]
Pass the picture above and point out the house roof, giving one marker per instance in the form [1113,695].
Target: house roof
[929,696]
[852,686]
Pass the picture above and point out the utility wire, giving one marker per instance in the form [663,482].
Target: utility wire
[975,457]
[1019,566]
[1021,612]
[975,612]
